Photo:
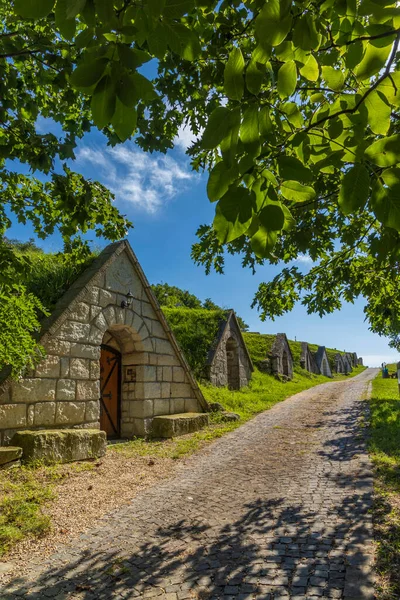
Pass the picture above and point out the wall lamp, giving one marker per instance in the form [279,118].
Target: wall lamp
[126,303]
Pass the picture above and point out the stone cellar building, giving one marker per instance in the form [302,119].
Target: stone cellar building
[281,358]
[111,360]
[307,360]
[321,358]
[229,363]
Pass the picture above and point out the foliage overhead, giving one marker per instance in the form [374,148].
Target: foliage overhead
[295,105]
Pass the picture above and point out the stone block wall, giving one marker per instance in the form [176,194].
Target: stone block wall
[63,391]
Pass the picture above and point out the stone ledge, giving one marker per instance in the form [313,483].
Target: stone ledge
[9,454]
[61,445]
[167,426]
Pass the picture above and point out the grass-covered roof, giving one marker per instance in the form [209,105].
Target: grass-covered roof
[259,345]
[196,330]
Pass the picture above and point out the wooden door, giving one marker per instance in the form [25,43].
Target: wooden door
[110,391]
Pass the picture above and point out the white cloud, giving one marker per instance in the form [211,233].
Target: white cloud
[304,258]
[185,137]
[144,180]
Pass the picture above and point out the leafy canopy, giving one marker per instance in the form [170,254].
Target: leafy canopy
[296,109]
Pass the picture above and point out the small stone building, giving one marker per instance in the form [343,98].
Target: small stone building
[354,362]
[322,361]
[281,358]
[112,362]
[229,363]
[342,364]
[360,361]
[339,363]
[348,364]
[307,360]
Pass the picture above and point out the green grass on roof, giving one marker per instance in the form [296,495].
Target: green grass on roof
[196,330]
[51,276]
[259,345]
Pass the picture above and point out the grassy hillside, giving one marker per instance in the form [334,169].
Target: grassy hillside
[196,330]
[258,345]
[385,453]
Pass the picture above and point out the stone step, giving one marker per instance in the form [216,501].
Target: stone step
[9,454]
[168,426]
[60,445]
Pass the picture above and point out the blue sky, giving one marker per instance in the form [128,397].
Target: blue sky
[167,202]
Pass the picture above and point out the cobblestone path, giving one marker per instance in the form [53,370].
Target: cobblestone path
[279,508]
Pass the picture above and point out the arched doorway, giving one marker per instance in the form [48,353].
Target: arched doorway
[110,391]
[232,362]
[285,364]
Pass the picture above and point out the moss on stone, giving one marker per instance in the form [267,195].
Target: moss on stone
[168,426]
[61,445]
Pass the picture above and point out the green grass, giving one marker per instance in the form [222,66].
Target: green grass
[385,452]
[259,345]
[22,495]
[50,275]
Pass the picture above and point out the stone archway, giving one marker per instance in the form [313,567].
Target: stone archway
[232,362]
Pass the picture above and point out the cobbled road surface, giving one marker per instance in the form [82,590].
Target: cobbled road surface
[279,508]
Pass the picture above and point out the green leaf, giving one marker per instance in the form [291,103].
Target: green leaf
[385,200]
[385,152]
[88,73]
[229,143]
[273,23]
[66,26]
[132,58]
[33,9]
[233,214]
[263,242]
[177,8]
[157,41]
[264,122]
[104,10]
[311,69]
[289,222]
[287,79]
[182,40]
[254,78]
[378,112]
[126,91]
[103,102]
[155,8]
[124,121]
[305,34]
[272,217]
[296,192]
[220,178]
[333,77]
[354,55]
[249,128]
[354,189]
[217,128]
[291,168]
[74,7]
[293,113]
[233,75]
[373,61]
